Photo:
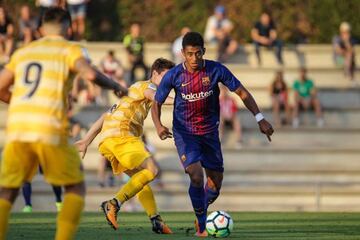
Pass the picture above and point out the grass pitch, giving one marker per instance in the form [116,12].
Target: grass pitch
[133,226]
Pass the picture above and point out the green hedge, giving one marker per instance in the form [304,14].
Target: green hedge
[315,20]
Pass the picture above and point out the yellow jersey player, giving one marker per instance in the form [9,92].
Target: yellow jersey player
[35,84]
[120,131]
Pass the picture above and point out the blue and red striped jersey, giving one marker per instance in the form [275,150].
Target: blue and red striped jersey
[196,107]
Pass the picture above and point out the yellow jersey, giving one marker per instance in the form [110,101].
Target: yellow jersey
[38,107]
[126,118]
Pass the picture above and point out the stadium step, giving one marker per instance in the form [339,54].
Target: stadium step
[311,55]
[344,117]
[246,195]
[283,138]
[263,159]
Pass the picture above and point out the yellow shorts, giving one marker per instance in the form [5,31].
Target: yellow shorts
[61,164]
[124,153]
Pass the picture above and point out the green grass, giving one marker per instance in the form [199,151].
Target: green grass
[267,226]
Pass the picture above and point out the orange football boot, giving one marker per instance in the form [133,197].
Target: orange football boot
[198,233]
[159,226]
[111,209]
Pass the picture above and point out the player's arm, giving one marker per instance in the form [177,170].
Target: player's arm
[162,131]
[230,81]
[90,73]
[6,81]
[161,95]
[90,136]
[150,94]
[248,100]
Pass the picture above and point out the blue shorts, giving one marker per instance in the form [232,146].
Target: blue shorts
[77,10]
[204,148]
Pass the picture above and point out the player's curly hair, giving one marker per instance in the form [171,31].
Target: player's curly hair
[161,64]
[193,39]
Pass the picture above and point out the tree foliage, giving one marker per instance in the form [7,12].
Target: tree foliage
[314,21]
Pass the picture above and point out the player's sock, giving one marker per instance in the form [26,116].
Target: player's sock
[147,200]
[69,217]
[197,196]
[211,192]
[58,192]
[5,207]
[134,185]
[26,189]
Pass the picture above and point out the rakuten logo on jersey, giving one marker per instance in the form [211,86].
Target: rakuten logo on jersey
[192,97]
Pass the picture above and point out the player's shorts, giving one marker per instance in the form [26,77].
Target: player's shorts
[124,153]
[204,148]
[61,164]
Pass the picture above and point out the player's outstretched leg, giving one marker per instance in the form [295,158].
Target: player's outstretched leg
[7,198]
[69,217]
[197,196]
[146,173]
[147,200]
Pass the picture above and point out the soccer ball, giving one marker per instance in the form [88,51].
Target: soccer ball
[219,224]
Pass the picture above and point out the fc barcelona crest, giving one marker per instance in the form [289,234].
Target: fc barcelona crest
[206,81]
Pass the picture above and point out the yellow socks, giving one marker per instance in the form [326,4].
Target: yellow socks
[134,185]
[147,200]
[69,217]
[5,208]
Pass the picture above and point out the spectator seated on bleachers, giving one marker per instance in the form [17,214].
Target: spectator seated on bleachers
[134,44]
[6,35]
[279,99]
[306,98]
[264,34]
[217,30]
[77,10]
[344,52]
[28,26]
[111,67]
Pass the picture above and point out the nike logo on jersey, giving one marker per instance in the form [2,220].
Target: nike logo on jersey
[185,84]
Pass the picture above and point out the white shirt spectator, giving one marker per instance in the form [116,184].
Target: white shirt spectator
[47,3]
[176,49]
[76,2]
[212,24]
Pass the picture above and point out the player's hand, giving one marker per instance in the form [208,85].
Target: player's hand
[164,133]
[81,147]
[266,128]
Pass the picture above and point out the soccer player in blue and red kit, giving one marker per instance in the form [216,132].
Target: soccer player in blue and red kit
[196,120]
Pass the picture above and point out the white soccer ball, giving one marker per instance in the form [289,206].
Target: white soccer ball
[219,224]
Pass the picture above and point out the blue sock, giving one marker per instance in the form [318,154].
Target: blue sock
[197,196]
[26,189]
[210,195]
[58,192]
